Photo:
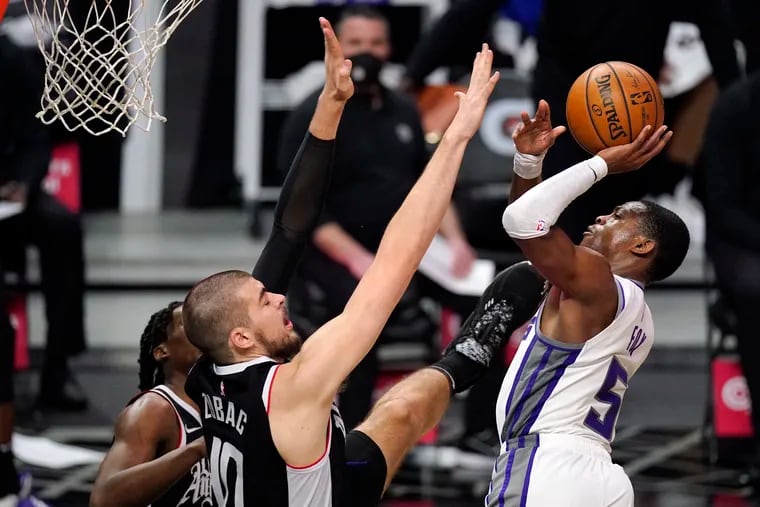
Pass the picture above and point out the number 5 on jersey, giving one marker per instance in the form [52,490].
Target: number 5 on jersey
[605,426]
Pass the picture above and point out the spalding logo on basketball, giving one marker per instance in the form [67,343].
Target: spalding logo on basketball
[610,103]
[735,394]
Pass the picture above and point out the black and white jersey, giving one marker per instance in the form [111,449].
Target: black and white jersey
[194,489]
[246,468]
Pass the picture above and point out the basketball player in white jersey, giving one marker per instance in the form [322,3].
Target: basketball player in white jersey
[561,396]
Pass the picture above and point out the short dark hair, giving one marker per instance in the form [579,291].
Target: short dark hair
[155,333]
[671,236]
[360,11]
[211,309]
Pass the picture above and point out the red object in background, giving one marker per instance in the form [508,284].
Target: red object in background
[514,342]
[450,323]
[62,180]
[729,500]
[732,408]
[20,322]
[3,7]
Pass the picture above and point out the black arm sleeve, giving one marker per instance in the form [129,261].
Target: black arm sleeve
[297,213]
[725,157]
[454,38]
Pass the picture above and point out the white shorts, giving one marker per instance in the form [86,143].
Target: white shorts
[562,470]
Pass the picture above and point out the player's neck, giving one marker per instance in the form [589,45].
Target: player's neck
[242,356]
[626,270]
[628,265]
[176,382]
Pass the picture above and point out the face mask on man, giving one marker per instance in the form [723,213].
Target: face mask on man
[365,70]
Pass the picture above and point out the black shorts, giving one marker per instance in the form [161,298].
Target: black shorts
[364,472]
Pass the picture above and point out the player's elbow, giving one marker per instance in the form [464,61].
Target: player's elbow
[520,223]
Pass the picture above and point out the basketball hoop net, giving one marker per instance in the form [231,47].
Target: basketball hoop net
[99,59]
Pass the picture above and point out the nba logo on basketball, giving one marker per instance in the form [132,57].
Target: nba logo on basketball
[541,226]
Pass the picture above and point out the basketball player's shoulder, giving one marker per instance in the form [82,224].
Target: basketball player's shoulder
[632,294]
[629,284]
[147,412]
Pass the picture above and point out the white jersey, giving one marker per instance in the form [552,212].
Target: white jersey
[558,388]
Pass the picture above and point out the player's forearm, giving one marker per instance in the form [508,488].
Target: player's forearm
[297,213]
[535,212]
[324,123]
[142,484]
[337,244]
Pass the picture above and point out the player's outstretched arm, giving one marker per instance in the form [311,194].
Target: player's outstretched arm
[308,180]
[129,475]
[303,389]
[578,271]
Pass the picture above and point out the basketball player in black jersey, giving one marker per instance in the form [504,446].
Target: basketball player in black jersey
[273,432]
[157,454]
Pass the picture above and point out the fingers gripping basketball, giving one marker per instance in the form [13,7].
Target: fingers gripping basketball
[610,103]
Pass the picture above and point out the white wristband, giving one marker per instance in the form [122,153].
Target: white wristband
[527,166]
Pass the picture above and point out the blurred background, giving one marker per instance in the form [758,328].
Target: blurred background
[117,226]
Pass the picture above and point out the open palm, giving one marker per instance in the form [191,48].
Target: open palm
[472,104]
[338,83]
[535,136]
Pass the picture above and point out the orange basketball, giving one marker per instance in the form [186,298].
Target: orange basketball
[3,6]
[611,103]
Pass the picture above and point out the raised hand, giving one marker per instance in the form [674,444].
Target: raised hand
[535,136]
[632,156]
[472,103]
[338,83]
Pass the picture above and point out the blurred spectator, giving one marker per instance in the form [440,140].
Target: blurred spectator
[379,155]
[731,164]
[25,149]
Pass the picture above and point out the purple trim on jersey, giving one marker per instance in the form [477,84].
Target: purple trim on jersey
[507,474]
[526,483]
[525,358]
[545,340]
[528,390]
[570,359]
[490,483]
[521,442]
[622,296]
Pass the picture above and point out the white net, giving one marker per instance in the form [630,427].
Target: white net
[99,56]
